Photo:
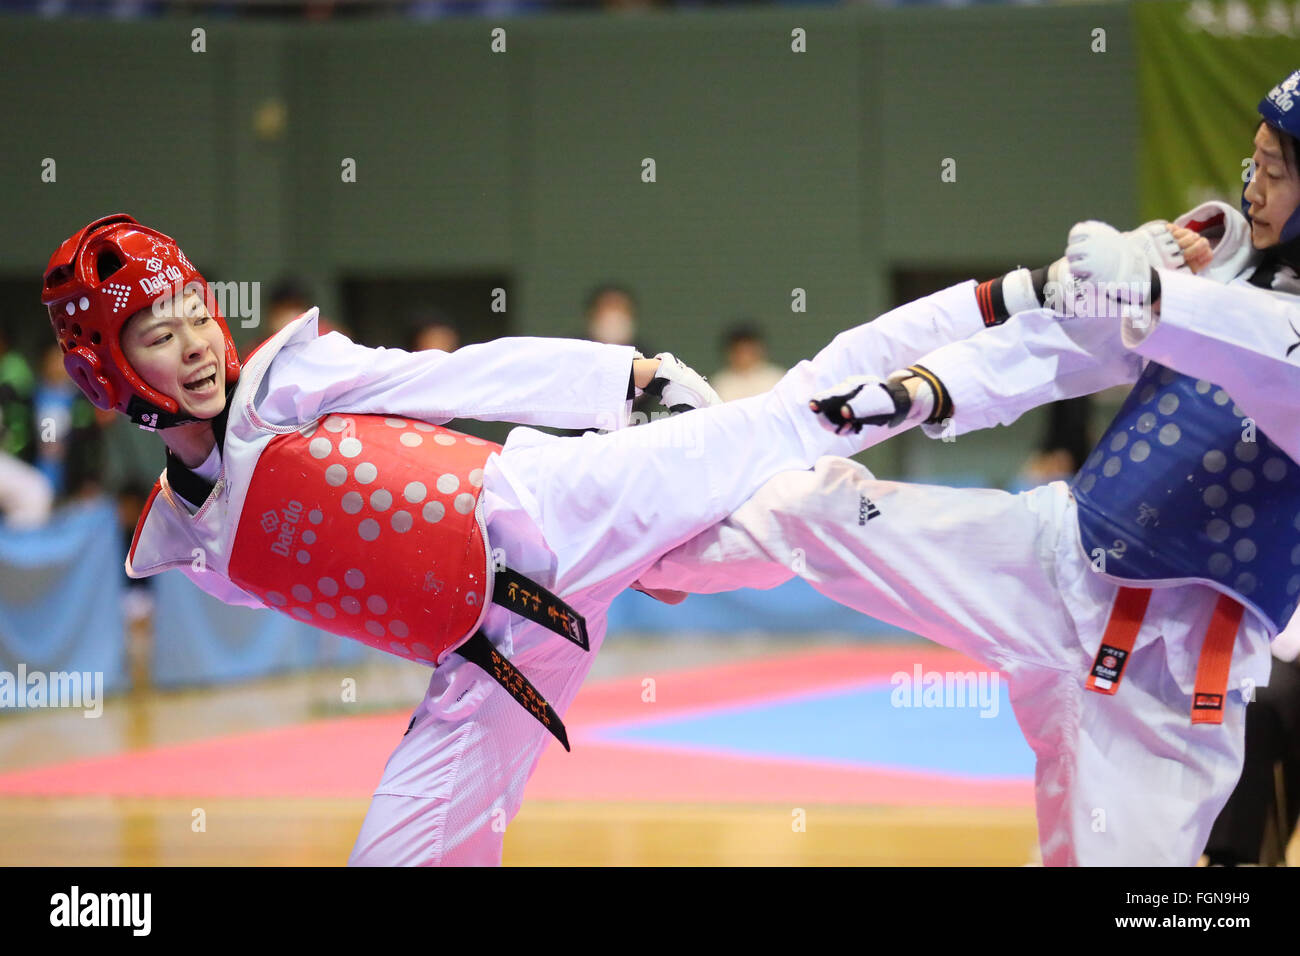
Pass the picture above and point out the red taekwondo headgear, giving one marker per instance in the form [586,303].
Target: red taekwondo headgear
[98,279]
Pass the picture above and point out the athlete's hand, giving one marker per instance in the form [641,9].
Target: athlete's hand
[1101,254]
[1158,244]
[1167,246]
[679,387]
[1109,272]
[861,400]
[1197,251]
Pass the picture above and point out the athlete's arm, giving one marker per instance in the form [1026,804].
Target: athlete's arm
[1043,355]
[564,383]
[1236,336]
[1244,339]
[904,334]
[1033,359]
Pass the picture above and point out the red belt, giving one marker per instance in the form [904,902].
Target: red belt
[1211,670]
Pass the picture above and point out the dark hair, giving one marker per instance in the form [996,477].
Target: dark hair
[604,289]
[1290,147]
[289,290]
[742,330]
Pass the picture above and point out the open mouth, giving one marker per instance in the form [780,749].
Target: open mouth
[202,384]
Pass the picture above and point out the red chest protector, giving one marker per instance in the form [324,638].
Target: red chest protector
[367,526]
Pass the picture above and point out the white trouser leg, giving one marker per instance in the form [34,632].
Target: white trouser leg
[1119,779]
[583,517]
[972,569]
[610,503]
[458,776]
[1126,779]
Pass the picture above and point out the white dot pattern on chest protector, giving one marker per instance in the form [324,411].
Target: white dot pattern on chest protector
[353,456]
[1233,475]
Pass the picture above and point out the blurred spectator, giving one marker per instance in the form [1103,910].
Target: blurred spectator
[69,448]
[138,598]
[611,314]
[1065,444]
[434,330]
[131,455]
[747,372]
[1269,788]
[496,9]
[289,299]
[17,420]
[25,494]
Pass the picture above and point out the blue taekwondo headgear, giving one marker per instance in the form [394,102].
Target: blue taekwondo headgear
[1281,110]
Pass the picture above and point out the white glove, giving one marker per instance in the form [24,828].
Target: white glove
[1158,245]
[1110,274]
[679,387]
[861,400]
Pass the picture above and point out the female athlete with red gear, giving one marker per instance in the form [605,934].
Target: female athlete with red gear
[316,479]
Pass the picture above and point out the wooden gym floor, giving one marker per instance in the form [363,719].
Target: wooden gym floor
[717,777]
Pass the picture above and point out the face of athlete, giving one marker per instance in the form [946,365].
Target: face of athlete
[179,349]
[1274,190]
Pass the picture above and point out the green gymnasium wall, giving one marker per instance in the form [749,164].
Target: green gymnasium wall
[775,170]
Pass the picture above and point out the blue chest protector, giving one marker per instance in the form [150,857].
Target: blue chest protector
[1177,491]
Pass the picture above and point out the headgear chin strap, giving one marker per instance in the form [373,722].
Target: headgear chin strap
[1280,109]
[152,417]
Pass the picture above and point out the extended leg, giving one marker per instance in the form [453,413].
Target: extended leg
[607,505]
[975,570]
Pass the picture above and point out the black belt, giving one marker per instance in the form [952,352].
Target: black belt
[527,598]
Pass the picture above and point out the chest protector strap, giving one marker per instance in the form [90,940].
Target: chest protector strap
[1211,668]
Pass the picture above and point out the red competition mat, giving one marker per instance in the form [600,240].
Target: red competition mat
[841,725]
